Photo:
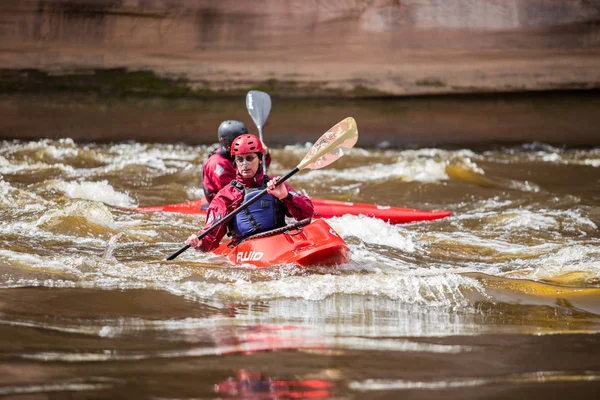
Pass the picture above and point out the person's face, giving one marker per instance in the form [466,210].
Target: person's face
[247,164]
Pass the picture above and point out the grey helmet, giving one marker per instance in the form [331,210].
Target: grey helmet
[228,131]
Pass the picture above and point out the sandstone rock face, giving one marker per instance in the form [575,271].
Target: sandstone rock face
[358,47]
[353,49]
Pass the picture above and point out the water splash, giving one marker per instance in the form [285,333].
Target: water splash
[111,245]
[98,191]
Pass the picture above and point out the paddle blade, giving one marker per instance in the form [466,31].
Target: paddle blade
[259,107]
[332,145]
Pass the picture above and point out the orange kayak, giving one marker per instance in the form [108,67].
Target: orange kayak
[327,209]
[304,243]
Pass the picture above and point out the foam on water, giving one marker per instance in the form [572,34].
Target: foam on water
[576,258]
[164,151]
[536,220]
[96,213]
[365,258]
[468,163]
[41,155]
[465,169]
[438,290]
[541,152]
[468,241]
[374,231]
[33,261]
[559,378]
[97,191]
[64,148]
[524,219]
[11,197]
[573,221]
[423,165]
[162,159]
[19,167]
[421,170]
[195,192]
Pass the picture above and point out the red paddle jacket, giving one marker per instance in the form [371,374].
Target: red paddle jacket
[229,198]
[218,171]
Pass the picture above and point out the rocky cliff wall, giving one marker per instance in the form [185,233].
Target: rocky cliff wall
[356,47]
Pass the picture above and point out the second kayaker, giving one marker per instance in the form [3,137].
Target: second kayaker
[263,215]
[218,168]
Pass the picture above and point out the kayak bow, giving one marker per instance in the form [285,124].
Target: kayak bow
[304,243]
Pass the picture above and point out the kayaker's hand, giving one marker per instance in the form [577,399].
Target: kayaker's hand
[280,191]
[194,242]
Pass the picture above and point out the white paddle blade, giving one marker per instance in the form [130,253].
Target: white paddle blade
[332,145]
[259,106]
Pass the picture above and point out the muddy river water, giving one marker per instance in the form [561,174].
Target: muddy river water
[500,300]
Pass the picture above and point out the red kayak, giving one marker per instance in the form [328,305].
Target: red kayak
[326,209]
[304,243]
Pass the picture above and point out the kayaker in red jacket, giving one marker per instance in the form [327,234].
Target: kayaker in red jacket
[265,214]
[218,169]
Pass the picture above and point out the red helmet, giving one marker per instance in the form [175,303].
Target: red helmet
[246,144]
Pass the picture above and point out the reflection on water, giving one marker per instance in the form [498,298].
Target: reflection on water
[255,385]
[502,296]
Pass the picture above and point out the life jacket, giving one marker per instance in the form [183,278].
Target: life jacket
[263,215]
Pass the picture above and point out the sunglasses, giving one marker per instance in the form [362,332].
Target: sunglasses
[249,158]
